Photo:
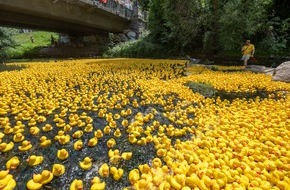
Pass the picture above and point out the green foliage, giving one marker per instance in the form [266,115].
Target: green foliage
[186,20]
[5,42]
[275,36]
[178,25]
[158,29]
[139,48]
[25,46]
[241,20]
[219,26]
[144,4]
[204,89]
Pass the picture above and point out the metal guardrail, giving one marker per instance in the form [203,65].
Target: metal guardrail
[125,11]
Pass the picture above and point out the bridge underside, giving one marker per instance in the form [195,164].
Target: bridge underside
[77,16]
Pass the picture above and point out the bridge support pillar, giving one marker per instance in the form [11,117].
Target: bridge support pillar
[139,20]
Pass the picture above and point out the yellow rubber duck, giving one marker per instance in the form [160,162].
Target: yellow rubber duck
[18,129]
[41,119]
[47,127]
[97,184]
[104,170]
[26,145]
[113,124]
[78,134]
[112,153]
[34,183]
[143,184]
[142,141]
[117,173]
[134,176]
[3,173]
[18,137]
[62,113]
[283,184]
[62,154]
[44,142]
[89,120]
[60,123]
[56,118]
[99,134]
[89,128]
[19,116]
[101,114]
[125,123]
[156,162]
[76,185]
[93,142]
[4,147]
[80,123]
[221,178]
[2,135]
[123,113]
[34,160]
[34,130]
[59,134]
[117,133]
[67,128]
[83,115]
[109,117]
[20,124]
[6,180]
[65,139]
[46,178]
[12,163]
[8,130]
[111,143]
[107,129]
[73,121]
[58,169]
[86,163]
[32,122]
[78,145]
[114,156]
[127,155]
[132,139]
[144,168]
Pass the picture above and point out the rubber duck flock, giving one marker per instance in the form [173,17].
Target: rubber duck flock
[133,124]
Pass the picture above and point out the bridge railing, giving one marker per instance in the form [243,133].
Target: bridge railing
[123,10]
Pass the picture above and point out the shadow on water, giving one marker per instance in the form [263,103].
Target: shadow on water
[209,91]
[10,67]
[250,95]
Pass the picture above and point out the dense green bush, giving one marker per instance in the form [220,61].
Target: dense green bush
[24,48]
[5,42]
[139,48]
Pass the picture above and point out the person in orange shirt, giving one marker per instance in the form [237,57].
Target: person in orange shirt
[248,51]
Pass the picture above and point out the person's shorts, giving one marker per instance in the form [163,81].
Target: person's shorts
[246,57]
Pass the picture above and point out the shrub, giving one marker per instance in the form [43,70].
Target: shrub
[138,48]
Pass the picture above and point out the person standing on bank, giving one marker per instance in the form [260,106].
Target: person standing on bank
[32,39]
[248,51]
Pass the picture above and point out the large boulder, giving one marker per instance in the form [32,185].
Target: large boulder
[282,72]
[260,69]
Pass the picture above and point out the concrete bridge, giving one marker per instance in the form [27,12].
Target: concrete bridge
[69,16]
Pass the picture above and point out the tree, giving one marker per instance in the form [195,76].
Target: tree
[144,4]
[241,20]
[5,42]
[219,25]
[158,29]
[177,24]
[186,20]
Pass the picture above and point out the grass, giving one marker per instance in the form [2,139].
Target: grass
[25,46]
